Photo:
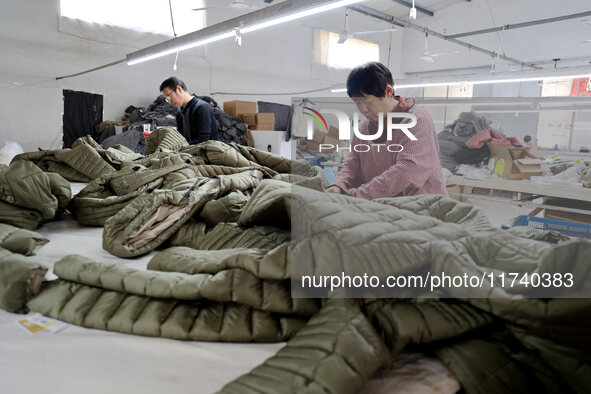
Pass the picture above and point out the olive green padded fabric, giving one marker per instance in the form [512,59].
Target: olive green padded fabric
[165,139]
[29,196]
[234,155]
[197,235]
[18,240]
[427,232]
[86,140]
[172,305]
[227,279]
[80,164]
[497,344]
[20,280]
[225,209]
[153,218]
[110,192]
[335,352]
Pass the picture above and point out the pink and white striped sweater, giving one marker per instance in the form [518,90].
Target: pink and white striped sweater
[416,170]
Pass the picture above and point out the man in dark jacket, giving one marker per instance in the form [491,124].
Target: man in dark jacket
[194,118]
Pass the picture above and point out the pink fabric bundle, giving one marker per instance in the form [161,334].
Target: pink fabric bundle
[493,136]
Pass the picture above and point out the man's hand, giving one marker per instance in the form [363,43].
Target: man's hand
[333,189]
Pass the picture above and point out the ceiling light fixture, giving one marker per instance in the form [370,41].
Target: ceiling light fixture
[482,82]
[131,60]
[301,14]
[531,79]
[253,21]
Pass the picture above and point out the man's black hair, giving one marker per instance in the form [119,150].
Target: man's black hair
[370,78]
[527,138]
[172,83]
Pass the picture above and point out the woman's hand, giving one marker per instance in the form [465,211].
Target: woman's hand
[333,189]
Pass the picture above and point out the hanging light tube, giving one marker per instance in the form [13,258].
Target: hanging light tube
[482,82]
[256,20]
[301,14]
[132,61]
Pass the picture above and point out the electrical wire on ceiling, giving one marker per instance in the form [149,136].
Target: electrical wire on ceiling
[445,19]
[389,48]
[176,58]
[171,17]
[278,94]
[499,36]
[91,70]
[496,58]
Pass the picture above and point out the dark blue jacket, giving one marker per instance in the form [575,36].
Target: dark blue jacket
[196,122]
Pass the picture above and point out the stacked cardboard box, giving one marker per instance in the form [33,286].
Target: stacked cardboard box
[321,138]
[259,120]
[247,110]
[238,107]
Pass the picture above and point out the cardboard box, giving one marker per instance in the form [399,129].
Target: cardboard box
[332,141]
[460,190]
[313,146]
[333,132]
[318,137]
[515,163]
[249,118]
[236,107]
[263,126]
[265,117]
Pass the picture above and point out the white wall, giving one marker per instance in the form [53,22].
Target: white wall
[275,60]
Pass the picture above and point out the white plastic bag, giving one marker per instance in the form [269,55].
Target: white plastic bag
[8,152]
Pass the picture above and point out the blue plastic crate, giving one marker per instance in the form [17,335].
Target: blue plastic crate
[572,229]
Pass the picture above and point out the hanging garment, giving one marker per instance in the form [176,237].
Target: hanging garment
[82,111]
[282,114]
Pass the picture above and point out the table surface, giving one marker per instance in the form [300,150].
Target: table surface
[523,186]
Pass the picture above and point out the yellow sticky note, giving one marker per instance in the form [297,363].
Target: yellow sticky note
[500,167]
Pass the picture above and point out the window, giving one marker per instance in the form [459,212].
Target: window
[557,87]
[353,52]
[141,15]
[581,87]
[555,128]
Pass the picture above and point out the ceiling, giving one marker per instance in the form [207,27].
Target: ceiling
[568,40]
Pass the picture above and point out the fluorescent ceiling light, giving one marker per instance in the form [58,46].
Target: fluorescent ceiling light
[531,79]
[425,85]
[167,48]
[300,14]
[415,85]
[180,48]
[482,82]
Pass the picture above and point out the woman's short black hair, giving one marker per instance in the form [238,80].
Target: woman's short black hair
[370,78]
[172,83]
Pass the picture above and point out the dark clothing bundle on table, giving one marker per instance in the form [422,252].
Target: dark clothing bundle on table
[230,128]
[453,139]
[158,114]
[132,139]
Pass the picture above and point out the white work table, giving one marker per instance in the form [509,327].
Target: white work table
[523,192]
